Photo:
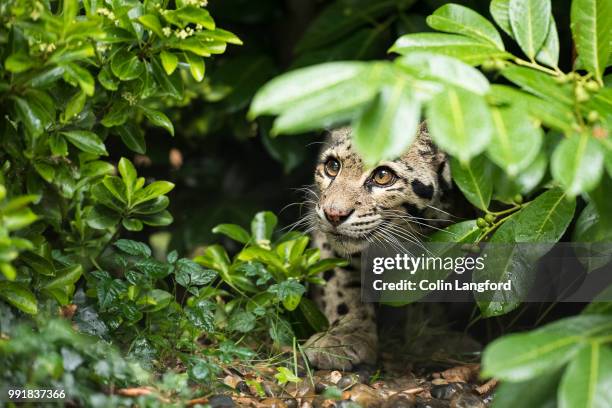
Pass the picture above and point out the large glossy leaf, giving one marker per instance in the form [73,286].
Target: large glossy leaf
[587,382]
[552,113]
[86,141]
[516,140]
[530,20]
[468,50]
[460,122]
[592,30]
[504,261]
[126,65]
[549,53]
[458,19]
[539,392]
[235,232]
[473,180]
[577,164]
[444,69]
[294,86]
[263,225]
[546,218]
[524,356]
[19,296]
[540,84]
[500,10]
[388,126]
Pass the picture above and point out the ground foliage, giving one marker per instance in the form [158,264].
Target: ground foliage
[81,82]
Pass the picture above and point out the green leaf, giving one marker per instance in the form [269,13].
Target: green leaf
[524,356]
[86,141]
[39,263]
[119,112]
[461,232]
[102,218]
[466,49]
[473,180]
[201,315]
[233,231]
[128,175]
[546,218]
[536,392]
[242,321]
[82,76]
[540,84]
[133,247]
[289,292]
[325,265]
[457,19]
[389,125]
[549,53]
[155,299]
[169,61]
[313,315]
[133,137]
[74,106]
[132,224]
[151,22]
[158,118]
[444,69]
[577,164]
[171,85]
[297,85]
[65,277]
[516,140]
[262,226]
[160,219]
[126,65]
[31,116]
[153,190]
[196,66]
[592,31]
[530,20]
[192,273]
[500,10]
[190,14]
[587,381]
[18,62]
[18,219]
[107,80]
[19,296]
[460,122]
[284,375]
[552,113]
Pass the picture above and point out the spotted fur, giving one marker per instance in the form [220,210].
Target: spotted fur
[387,215]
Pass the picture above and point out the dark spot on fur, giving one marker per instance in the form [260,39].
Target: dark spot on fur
[342,309]
[421,189]
[340,294]
[412,209]
[353,284]
[327,275]
[326,246]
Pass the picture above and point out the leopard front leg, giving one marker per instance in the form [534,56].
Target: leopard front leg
[352,338]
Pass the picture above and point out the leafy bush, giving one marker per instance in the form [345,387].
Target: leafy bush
[524,149]
[75,77]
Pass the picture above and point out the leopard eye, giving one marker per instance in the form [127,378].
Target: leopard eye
[332,167]
[383,176]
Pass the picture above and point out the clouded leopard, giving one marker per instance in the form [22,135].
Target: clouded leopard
[353,206]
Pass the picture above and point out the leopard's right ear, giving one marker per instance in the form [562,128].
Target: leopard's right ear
[339,135]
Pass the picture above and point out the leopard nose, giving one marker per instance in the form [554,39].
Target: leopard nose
[337,217]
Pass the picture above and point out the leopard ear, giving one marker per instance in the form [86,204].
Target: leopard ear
[441,160]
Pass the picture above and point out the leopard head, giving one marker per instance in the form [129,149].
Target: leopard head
[355,205]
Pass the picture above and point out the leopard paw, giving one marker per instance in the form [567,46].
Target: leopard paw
[342,349]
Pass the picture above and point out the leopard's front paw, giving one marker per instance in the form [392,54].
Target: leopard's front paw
[342,348]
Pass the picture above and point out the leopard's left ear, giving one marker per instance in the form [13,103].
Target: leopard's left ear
[441,160]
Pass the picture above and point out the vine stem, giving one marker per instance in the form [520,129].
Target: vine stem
[534,65]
